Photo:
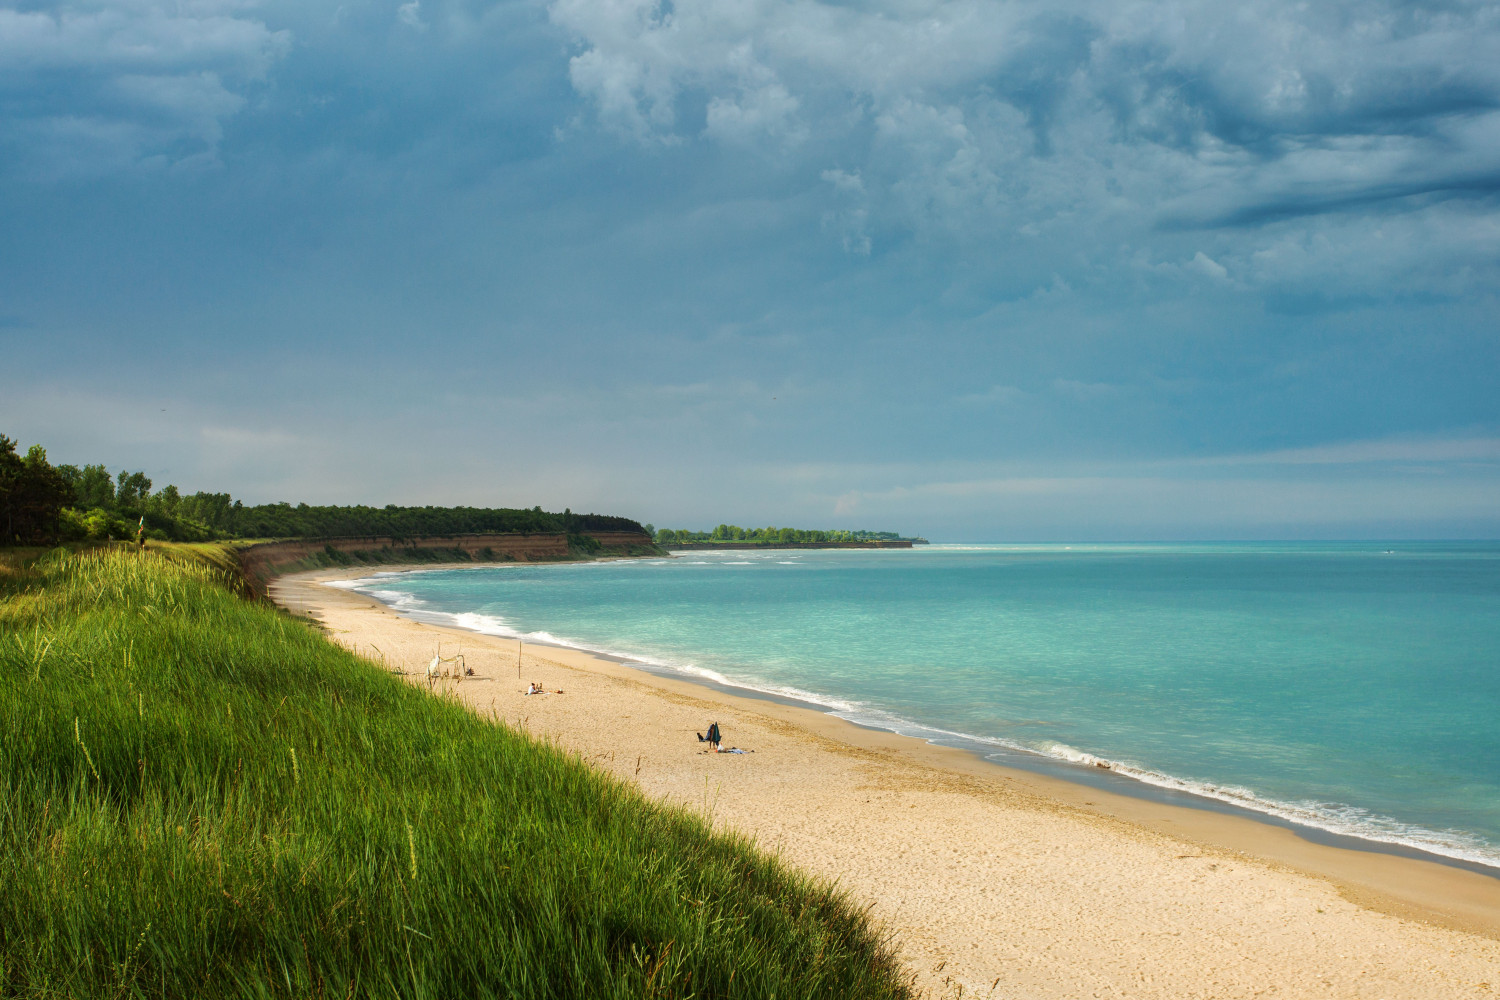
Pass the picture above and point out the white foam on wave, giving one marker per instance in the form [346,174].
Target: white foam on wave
[495,625]
[387,575]
[1331,817]
[359,584]
[978,547]
[399,599]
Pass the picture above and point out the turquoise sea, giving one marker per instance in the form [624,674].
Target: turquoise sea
[1352,688]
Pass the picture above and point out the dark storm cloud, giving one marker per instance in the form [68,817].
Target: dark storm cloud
[1222,114]
[883,255]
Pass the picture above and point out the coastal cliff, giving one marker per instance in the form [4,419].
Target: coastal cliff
[261,561]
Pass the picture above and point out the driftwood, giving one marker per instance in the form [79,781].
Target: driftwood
[435,668]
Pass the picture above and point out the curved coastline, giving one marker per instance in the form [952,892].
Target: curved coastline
[1388,879]
[983,869]
[1336,825]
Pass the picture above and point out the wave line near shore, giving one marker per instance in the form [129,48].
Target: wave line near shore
[1325,822]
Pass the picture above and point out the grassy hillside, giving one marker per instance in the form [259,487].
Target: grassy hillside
[201,797]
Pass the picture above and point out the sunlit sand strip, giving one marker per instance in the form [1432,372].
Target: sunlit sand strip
[988,877]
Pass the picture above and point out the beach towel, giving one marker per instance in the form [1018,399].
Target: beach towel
[713,733]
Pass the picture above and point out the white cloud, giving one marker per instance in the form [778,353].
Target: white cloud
[753,114]
[1084,392]
[1405,450]
[1126,506]
[846,504]
[844,182]
[127,81]
[971,119]
[1169,499]
[1205,265]
[410,14]
[995,395]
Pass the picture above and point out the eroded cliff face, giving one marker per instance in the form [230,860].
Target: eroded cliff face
[622,542]
[265,560]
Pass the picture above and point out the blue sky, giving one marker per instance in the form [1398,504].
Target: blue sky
[976,270]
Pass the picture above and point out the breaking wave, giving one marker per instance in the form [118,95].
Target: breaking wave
[1330,817]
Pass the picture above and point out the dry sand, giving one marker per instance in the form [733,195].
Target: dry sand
[986,875]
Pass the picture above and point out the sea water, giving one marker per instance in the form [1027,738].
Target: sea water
[1351,688]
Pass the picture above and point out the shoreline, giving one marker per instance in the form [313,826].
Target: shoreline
[1377,892]
[1103,776]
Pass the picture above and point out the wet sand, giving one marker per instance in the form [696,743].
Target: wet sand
[987,876]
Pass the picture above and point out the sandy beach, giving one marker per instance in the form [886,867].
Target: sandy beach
[995,881]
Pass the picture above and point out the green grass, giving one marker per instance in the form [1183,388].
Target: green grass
[201,797]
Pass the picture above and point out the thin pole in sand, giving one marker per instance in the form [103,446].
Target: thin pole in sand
[518,659]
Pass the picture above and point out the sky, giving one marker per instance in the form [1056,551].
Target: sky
[971,270]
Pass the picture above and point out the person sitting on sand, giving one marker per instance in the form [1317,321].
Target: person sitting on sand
[533,688]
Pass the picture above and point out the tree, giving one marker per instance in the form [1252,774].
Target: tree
[167,500]
[11,471]
[212,509]
[131,490]
[94,489]
[32,495]
[71,475]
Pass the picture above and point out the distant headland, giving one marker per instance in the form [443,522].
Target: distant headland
[732,536]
